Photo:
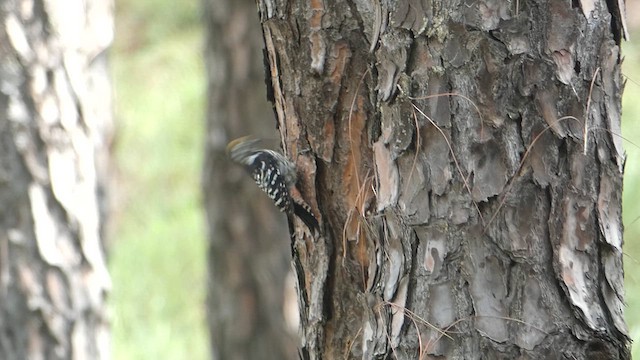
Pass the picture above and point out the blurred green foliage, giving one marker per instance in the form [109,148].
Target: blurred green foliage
[631,202]
[158,252]
[158,255]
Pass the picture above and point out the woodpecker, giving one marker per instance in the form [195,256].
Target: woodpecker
[274,174]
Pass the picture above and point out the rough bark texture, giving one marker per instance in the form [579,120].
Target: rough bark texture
[55,127]
[249,250]
[465,160]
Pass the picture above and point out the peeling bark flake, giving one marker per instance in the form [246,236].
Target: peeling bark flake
[562,32]
[488,293]
[413,200]
[392,60]
[437,158]
[611,86]
[435,248]
[394,266]
[574,269]
[397,311]
[536,324]
[318,44]
[489,171]
[546,102]
[387,78]
[609,215]
[575,262]
[411,15]
[564,62]
[492,12]
[388,177]
[587,7]
[372,327]
[613,291]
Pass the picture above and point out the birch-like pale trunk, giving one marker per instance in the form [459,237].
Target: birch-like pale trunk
[55,131]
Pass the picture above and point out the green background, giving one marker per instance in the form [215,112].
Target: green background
[157,242]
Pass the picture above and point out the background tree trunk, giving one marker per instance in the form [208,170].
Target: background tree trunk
[249,252]
[469,211]
[55,129]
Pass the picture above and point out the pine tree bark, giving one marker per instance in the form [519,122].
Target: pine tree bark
[465,162]
[55,129]
[249,251]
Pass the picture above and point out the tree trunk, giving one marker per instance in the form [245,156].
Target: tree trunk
[248,241]
[55,131]
[466,165]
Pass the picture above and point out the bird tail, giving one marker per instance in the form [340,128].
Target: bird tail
[304,213]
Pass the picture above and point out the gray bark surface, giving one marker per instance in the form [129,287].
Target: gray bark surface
[55,130]
[465,161]
[249,249]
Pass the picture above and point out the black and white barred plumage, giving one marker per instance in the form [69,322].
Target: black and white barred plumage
[274,174]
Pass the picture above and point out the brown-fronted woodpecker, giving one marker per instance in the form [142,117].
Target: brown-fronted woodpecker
[275,175]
